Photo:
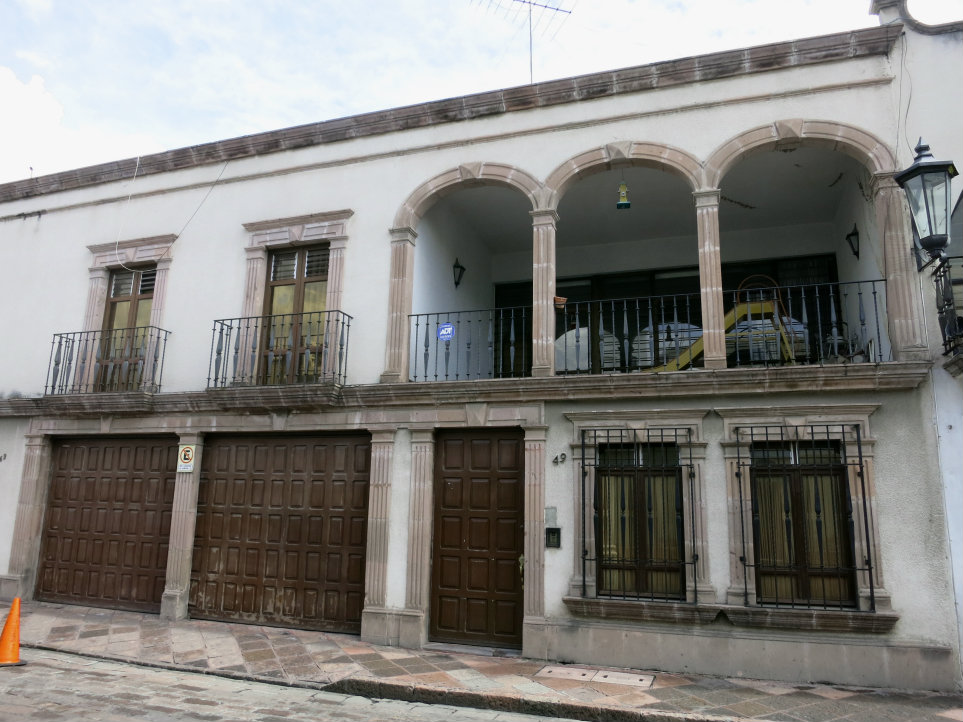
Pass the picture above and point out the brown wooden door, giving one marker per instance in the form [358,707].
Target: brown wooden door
[108,521]
[478,538]
[281,531]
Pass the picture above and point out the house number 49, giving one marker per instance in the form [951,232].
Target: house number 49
[559,459]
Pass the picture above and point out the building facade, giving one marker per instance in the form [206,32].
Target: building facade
[634,369]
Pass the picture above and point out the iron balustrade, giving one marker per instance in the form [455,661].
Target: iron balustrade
[297,348]
[804,517]
[806,324]
[124,359]
[637,520]
[463,345]
[949,303]
[655,333]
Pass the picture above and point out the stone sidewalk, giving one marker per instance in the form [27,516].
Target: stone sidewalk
[456,676]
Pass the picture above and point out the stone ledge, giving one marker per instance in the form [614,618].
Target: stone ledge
[817,620]
[705,383]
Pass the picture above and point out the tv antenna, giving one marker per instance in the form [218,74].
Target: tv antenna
[537,13]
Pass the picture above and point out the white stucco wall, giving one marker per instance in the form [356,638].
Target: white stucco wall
[11,470]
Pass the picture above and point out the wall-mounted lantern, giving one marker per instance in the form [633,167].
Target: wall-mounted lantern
[927,187]
[852,238]
[458,271]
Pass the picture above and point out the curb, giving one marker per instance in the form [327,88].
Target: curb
[379,689]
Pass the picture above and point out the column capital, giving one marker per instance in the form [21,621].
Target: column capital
[544,216]
[255,253]
[382,436]
[883,182]
[422,436]
[707,198]
[403,234]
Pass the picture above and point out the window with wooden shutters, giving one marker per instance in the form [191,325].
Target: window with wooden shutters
[297,329]
[127,341]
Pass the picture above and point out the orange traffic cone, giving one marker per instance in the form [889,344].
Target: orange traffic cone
[10,639]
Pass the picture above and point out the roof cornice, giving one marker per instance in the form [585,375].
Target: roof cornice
[702,68]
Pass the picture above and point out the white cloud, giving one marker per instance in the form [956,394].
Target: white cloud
[39,142]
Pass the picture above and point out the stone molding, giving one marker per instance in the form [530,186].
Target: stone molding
[835,621]
[758,59]
[315,228]
[396,401]
[623,154]
[110,256]
[466,175]
[864,147]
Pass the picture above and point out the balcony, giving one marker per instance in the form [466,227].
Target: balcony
[463,345]
[764,325]
[126,359]
[949,304]
[299,348]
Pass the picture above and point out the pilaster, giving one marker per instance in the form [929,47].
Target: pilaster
[97,299]
[399,304]
[379,510]
[534,576]
[710,279]
[543,292]
[181,543]
[254,281]
[160,292]
[27,528]
[903,308]
[414,629]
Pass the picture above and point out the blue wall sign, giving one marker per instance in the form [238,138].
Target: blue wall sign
[446,332]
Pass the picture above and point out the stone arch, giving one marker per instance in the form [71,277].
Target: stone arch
[624,153]
[467,175]
[859,144]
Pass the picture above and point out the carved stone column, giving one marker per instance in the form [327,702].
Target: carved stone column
[27,528]
[534,578]
[181,545]
[399,304]
[903,307]
[414,628]
[543,292]
[710,279]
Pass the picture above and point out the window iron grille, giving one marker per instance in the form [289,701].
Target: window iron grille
[805,536]
[637,518]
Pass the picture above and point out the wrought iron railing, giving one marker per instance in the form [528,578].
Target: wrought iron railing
[298,348]
[804,517]
[637,520]
[949,303]
[629,334]
[818,323]
[124,359]
[462,345]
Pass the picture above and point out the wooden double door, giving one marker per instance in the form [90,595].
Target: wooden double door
[281,531]
[107,525]
[478,540]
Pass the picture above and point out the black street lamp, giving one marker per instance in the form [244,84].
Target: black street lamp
[927,187]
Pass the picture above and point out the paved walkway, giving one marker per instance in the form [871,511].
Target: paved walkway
[456,676]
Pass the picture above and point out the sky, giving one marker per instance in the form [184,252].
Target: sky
[91,81]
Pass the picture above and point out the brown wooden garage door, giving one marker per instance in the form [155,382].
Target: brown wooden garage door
[478,538]
[281,531]
[108,522]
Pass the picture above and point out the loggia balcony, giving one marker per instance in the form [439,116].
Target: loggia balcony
[764,325]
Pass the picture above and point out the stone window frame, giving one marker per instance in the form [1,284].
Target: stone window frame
[698,585]
[295,231]
[108,257]
[737,423]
